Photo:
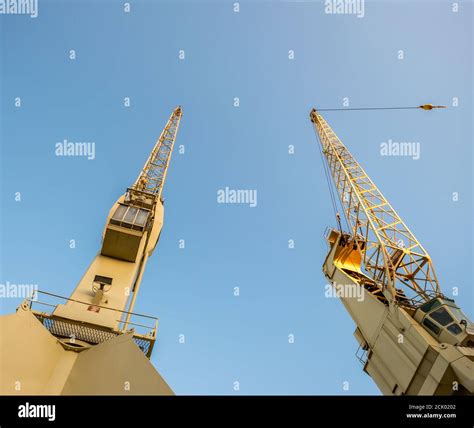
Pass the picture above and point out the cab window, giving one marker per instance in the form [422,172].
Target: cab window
[454,328]
[430,305]
[431,325]
[442,316]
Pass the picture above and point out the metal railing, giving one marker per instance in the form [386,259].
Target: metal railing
[362,354]
[143,335]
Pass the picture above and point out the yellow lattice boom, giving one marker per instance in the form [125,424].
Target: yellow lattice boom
[391,255]
[153,175]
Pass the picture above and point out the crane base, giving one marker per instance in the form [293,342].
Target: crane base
[35,362]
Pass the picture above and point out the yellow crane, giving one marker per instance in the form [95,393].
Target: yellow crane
[92,342]
[413,339]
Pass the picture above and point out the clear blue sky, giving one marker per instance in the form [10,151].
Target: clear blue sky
[231,55]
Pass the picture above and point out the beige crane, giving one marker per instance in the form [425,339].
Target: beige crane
[413,339]
[91,342]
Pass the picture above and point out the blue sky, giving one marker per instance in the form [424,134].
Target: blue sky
[230,55]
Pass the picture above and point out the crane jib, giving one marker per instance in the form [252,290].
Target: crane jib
[391,255]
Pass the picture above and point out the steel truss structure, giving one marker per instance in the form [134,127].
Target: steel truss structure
[391,255]
[152,178]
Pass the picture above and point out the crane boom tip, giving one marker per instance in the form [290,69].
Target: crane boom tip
[430,106]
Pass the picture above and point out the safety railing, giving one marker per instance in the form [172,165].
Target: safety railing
[144,335]
[362,354]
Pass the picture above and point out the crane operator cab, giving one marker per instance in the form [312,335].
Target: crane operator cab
[124,232]
[445,321]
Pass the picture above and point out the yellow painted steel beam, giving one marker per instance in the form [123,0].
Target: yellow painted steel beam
[153,175]
[391,248]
